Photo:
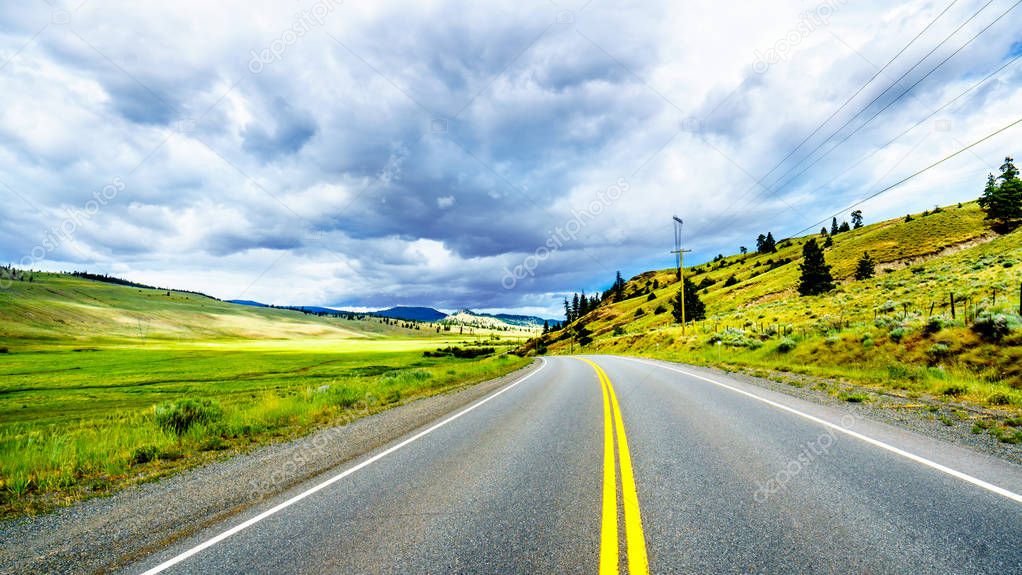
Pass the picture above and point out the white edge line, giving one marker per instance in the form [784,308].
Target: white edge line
[245,525]
[841,429]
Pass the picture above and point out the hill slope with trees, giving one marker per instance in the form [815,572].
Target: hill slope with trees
[925,305]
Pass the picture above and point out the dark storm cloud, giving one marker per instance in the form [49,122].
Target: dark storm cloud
[410,153]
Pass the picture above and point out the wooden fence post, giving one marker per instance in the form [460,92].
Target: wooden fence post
[952,306]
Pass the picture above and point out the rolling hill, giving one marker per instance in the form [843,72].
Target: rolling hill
[896,331]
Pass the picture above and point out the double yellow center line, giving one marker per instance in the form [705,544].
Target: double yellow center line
[638,563]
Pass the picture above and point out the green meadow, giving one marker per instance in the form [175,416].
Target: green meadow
[104,385]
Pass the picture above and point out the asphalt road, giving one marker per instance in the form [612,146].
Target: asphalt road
[620,465]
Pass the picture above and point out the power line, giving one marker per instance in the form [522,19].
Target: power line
[766,189]
[900,96]
[852,97]
[893,84]
[907,178]
[920,122]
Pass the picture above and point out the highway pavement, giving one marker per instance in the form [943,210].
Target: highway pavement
[604,464]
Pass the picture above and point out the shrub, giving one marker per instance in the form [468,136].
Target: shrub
[640,312]
[144,454]
[937,323]
[994,327]
[938,351]
[954,390]
[4,350]
[786,345]
[732,337]
[660,309]
[618,330]
[999,398]
[898,333]
[180,416]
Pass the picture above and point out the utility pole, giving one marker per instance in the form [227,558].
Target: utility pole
[681,266]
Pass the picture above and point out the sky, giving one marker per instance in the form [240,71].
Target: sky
[485,155]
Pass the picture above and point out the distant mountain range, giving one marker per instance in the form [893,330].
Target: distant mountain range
[427,314]
[412,313]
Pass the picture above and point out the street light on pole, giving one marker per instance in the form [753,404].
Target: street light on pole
[681,266]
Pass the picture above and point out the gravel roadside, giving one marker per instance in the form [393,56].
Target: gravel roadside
[99,535]
[946,421]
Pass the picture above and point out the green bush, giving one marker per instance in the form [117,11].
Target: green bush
[660,309]
[145,454]
[786,345]
[733,337]
[954,390]
[938,351]
[995,327]
[898,333]
[999,398]
[937,323]
[180,416]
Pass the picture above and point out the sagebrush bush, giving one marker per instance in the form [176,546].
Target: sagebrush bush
[733,337]
[938,351]
[996,326]
[786,345]
[180,416]
[937,323]
[898,333]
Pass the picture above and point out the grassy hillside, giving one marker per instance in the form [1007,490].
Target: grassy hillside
[96,378]
[57,310]
[893,332]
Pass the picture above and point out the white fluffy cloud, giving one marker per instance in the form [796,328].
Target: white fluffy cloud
[366,154]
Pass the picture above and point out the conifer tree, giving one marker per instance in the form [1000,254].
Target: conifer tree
[866,268]
[816,278]
[857,219]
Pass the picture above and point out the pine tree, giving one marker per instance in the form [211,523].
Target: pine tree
[695,310]
[575,308]
[857,219]
[771,245]
[1003,202]
[816,278]
[760,243]
[828,242]
[546,327]
[833,227]
[567,311]
[619,287]
[744,250]
[824,232]
[866,268]
[844,227]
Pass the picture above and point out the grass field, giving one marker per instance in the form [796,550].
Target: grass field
[893,333]
[87,368]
